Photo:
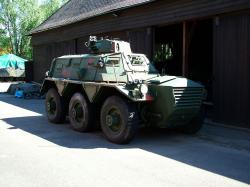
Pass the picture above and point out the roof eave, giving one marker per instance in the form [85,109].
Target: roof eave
[84,19]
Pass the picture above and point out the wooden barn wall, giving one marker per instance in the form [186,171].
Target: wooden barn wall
[158,12]
[231,68]
[141,41]
[80,45]
[44,54]
[41,65]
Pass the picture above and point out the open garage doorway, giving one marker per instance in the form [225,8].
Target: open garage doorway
[167,55]
[186,49]
[200,53]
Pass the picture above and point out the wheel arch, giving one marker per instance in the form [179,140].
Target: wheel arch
[47,84]
[73,88]
[105,92]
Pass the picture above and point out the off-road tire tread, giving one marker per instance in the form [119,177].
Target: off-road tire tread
[132,124]
[60,106]
[89,125]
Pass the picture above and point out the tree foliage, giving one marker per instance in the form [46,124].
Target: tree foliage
[18,18]
[4,43]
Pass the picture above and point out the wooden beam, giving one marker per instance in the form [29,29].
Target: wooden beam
[184,48]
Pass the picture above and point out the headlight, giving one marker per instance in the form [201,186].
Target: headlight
[143,88]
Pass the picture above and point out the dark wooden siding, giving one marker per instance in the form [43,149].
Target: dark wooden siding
[80,45]
[44,54]
[41,64]
[159,12]
[141,41]
[232,68]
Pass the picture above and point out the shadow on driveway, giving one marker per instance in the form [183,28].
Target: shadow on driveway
[194,150]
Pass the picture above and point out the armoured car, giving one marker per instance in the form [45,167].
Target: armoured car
[121,91]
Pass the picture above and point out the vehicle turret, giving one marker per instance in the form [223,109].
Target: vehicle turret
[107,46]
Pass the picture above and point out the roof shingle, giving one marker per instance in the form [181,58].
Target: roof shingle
[78,10]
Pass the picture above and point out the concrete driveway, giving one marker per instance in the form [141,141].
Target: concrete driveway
[34,152]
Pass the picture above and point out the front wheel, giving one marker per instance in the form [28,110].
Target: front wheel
[119,120]
[195,124]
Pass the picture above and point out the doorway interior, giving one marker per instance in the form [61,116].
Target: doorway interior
[167,55]
[200,54]
[168,51]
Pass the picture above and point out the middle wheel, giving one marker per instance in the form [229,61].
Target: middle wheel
[79,113]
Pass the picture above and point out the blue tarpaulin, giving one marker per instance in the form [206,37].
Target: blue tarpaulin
[12,61]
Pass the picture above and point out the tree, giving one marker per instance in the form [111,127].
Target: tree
[18,18]
[4,43]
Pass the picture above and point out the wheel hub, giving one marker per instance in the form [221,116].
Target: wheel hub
[74,113]
[51,105]
[113,122]
[77,112]
[48,106]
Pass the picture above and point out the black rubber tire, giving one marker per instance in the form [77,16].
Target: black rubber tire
[195,124]
[84,121]
[128,120]
[58,113]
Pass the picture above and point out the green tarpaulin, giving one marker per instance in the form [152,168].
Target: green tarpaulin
[12,61]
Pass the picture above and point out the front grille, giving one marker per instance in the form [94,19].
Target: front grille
[188,97]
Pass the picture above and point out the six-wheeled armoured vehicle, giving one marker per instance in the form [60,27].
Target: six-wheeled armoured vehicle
[119,90]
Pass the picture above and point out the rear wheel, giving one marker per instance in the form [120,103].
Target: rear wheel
[80,114]
[119,120]
[55,106]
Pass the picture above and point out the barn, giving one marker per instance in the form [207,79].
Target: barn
[206,41]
